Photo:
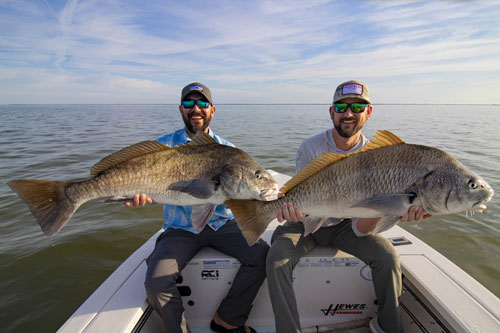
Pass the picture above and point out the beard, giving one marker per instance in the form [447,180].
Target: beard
[192,128]
[350,132]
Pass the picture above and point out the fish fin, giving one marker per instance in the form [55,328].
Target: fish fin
[251,217]
[200,215]
[47,201]
[312,168]
[198,188]
[118,200]
[388,204]
[312,224]
[202,138]
[126,154]
[386,223]
[381,139]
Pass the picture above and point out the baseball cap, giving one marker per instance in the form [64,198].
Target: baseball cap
[352,89]
[196,87]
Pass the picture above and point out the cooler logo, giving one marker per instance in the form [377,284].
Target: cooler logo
[352,89]
[210,274]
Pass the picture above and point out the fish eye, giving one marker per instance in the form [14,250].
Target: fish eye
[472,184]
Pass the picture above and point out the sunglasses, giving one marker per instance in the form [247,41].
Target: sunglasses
[355,107]
[189,104]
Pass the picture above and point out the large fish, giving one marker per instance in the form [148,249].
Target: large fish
[202,173]
[383,179]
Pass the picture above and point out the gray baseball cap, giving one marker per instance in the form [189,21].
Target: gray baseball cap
[199,88]
[352,89]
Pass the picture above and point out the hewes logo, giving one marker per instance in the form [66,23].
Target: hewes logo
[344,309]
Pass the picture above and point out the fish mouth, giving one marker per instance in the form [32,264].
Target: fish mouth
[269,194]
[479,206]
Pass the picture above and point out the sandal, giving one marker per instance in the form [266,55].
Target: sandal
[221,329]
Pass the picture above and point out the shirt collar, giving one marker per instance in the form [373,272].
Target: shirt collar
[361,143]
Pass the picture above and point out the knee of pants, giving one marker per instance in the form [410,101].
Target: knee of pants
[277,260]
[256,258]
[261,256]
[388,257]
[161,284]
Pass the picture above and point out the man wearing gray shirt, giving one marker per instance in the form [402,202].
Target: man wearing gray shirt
[350,110]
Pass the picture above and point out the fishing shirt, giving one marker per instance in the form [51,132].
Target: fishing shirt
[179,217]
[317,145]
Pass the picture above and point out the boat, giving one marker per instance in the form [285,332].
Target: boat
[333,289]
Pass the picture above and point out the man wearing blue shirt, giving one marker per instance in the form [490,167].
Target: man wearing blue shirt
[179,243]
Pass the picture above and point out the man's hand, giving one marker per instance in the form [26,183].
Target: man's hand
[139,200]
[289,212]
[415,214]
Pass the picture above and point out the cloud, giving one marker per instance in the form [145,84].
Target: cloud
[262,51]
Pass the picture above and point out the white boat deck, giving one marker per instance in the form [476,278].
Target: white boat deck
[438,296]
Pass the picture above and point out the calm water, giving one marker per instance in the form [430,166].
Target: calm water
[45,279]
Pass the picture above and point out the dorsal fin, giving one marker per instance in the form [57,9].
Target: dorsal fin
[315,166]
[381,139]
[202,138]
[126,154]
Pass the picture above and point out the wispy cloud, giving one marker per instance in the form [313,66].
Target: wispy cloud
[258,51]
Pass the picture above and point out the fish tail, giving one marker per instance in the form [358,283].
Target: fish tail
[47,201]
[252,217]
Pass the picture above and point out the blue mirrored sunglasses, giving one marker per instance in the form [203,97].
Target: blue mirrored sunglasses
[189,103]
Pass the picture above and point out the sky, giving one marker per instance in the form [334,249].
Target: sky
[290,52]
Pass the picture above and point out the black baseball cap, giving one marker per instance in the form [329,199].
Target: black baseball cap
[199,88]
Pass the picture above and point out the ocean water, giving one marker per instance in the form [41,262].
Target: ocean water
[44,279]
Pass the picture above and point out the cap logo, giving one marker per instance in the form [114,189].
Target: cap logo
[352,89]
[194,87]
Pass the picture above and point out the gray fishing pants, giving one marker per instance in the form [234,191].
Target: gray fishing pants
[175,248]
[288,245]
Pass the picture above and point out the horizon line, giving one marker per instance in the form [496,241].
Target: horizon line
[484,104]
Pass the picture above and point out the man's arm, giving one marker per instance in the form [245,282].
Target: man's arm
[292,213]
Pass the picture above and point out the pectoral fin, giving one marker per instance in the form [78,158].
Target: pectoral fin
[117,200]
[386,223]
[200,215]
[199,188]
[388,204]
[312,224]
